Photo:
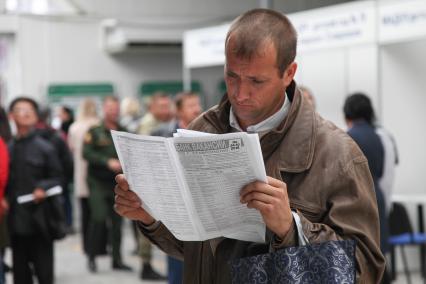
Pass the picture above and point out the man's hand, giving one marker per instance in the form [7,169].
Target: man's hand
[4,205]
[271,200]
[128,204]
[39,195]
[114,165]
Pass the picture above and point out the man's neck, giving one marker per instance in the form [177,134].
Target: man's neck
[111,125]
[183,124]
[23,131]
[267,124]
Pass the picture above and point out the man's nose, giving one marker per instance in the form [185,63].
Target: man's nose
[242,92]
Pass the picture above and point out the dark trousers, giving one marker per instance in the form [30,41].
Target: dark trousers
[85,218]
[2,279]
[67,204]
[32,253]
[85,227]
[102,212]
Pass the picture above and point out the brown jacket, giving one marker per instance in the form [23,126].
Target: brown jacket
[329,184]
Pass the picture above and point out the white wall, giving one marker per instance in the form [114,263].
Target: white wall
[147,9]
[210,77]
[403,85]
[55,50]
[332,74]
[404,100]
[9,67]
[69,51]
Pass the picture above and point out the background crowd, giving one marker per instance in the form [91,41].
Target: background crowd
[40,152]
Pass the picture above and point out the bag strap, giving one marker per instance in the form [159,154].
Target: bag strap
[303,240]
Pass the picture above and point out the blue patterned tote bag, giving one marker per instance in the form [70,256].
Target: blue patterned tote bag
[327,262]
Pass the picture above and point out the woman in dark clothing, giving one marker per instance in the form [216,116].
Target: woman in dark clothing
[34,157]
[359,116]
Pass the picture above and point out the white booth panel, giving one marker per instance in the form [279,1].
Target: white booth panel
[400,21]
[362,72]
[10,78]
[324,73]
[404,101]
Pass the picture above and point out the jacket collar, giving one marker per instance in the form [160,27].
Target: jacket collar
[28,136]
[289,147]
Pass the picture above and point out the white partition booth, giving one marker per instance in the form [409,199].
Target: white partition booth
[402,41]
[376,47]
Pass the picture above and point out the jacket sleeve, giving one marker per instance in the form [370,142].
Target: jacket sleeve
[93,156]
[53,170]
[158,234]
[352,214]
[65,158]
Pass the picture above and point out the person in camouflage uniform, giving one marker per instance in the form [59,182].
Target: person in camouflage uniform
[103,165]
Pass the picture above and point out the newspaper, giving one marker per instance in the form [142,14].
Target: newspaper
[30,197]
[191,183]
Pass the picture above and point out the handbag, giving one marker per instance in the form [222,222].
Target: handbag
[326,262]
[49,217]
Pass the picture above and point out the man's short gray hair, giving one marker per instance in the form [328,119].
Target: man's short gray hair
[251,30]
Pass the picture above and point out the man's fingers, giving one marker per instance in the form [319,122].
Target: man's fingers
[126,194]
[264,208]
[128,203]
[259,196]
[258,187]
[275,182]
[122,210]
[122,182]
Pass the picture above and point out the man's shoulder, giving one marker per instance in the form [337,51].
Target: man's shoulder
[202,123]
[43,144]
[165,129]
[96,129]
[148,118]
[92,133]
[333,143]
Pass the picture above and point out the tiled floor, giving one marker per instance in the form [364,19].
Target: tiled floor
[70,264]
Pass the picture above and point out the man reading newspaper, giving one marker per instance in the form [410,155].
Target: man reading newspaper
[313,167]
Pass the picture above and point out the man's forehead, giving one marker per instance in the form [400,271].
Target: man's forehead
[162,100]
[255,66]
[23,105]
[111,103]
[241,48]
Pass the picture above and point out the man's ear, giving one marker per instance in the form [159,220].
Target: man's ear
[289,73]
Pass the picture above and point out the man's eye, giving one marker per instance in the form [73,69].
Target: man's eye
[257,81]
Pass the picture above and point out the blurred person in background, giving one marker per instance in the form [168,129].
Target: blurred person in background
[103,165]
[160,110]
[308,95]
[130,111]
[188,108]
[56,138]
[391,160]
[66,115]
[160,113]
[87,117]
[360,118]
[5,136]
[36,159]
[130,118]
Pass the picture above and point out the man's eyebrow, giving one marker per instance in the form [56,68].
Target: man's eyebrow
[230,72]
[258,78]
